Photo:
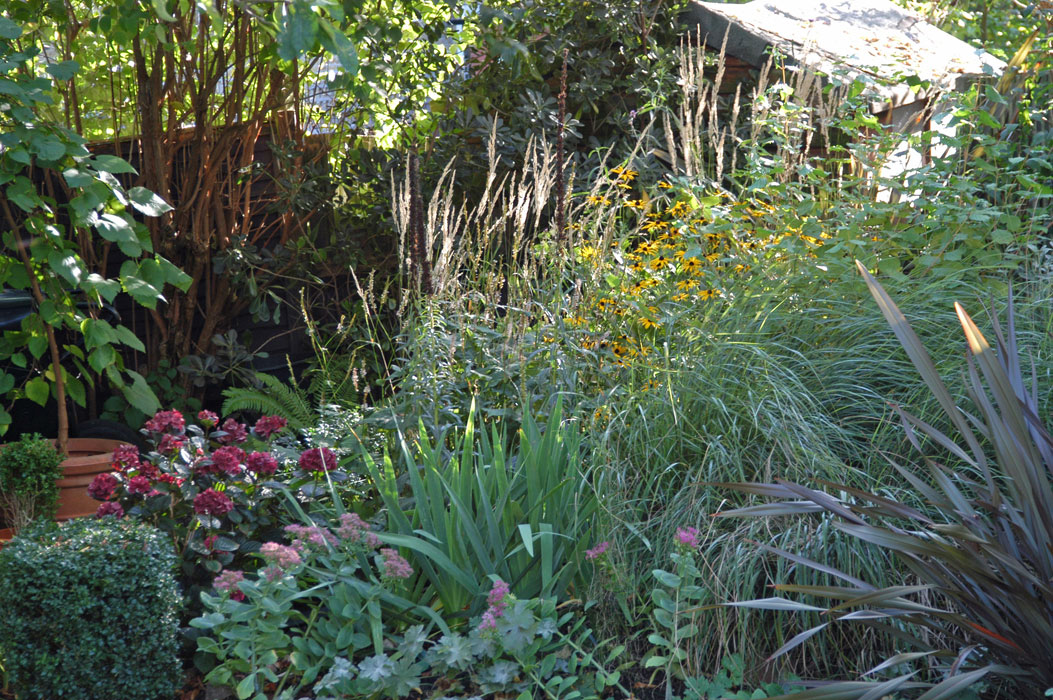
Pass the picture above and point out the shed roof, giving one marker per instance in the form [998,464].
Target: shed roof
[866,38]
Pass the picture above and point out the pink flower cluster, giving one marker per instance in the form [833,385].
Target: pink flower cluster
[125,457]
[109,508]
[306,537]
[227,582]
[261,463]
[281,558]
[318,459]
[212,502]
[269,425]
[103,486]
[166,420]
[597,551]
[497,601]
[207,418]
[226,460]
[689,537]
[395,566]
[234,432]
[355,530]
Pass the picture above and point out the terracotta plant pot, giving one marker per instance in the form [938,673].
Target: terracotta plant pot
[85,457]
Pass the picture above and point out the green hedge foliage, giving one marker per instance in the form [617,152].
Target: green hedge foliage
[90,612]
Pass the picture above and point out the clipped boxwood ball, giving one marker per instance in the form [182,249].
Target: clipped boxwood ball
[90,612]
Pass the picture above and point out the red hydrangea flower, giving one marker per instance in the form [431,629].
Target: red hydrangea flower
[261,463]
[207,418]
[169,443]
[169,479]
[103,486]
[228,460]
[212,502]
[166,420]
[149,470]
[139,484]
[109,508]
[235,432]
[269,425]
[125,457]
[318,459]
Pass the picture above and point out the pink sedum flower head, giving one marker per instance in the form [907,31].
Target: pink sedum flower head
[261,463]
[395,566]
[318,459]
[688,537]
[164,421]
[212,502]
[355,530]
[280,555]
[235,432]
[269,425]
[597,551]
[109,508]
[313,537]
[103,486]
[227,582]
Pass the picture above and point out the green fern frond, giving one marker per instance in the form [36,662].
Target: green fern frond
[275,398]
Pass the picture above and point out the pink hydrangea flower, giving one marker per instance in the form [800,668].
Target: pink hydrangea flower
[235,432]
[212,502]
[166,420]
[689,537]
[103,486]
[395,566]
[597,551]
[261,463]
[318,459]
[207,418]
[228,460]
[269,425]
[109,508]
[227,582]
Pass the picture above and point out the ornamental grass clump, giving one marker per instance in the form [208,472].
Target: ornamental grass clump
[979,548]
[90,612]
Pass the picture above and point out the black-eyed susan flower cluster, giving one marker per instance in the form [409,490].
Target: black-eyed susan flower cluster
[680,255]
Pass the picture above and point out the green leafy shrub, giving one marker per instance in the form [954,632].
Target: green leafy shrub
[29,473]
[89,612]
